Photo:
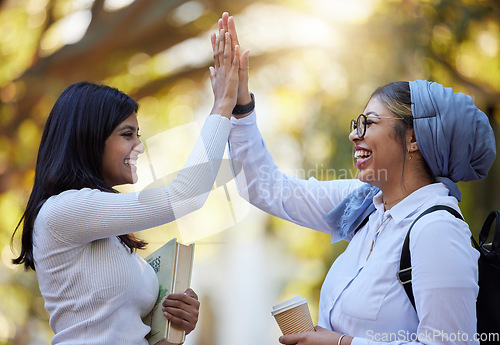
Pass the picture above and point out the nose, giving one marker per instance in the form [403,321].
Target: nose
[353,136]
[139,148]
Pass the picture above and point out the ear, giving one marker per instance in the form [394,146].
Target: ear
[411,141]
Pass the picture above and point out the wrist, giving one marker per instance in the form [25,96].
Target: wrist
[223,108]
[244,98]
[245,109]
[345,340]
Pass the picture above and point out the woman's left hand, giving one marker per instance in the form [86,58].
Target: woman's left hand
[226,24]
[224,75]
[182,309]
[320,336]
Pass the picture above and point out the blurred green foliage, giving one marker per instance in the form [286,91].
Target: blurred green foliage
[314,65]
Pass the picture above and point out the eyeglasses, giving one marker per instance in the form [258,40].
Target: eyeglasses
[360,124]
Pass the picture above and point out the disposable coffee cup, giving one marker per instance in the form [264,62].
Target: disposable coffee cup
[293,316]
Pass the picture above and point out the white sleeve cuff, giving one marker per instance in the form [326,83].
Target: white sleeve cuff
[244,129]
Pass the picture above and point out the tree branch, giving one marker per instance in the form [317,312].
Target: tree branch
[483,91]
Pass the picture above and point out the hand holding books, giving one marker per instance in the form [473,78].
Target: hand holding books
[173,263]
[182,309]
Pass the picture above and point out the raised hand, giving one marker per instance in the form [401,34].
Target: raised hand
[224,74]
[226,23]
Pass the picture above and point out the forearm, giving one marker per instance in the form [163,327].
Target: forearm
[258,178]
[260,181]
[189,191]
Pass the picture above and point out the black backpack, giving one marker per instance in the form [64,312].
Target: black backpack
[488,300]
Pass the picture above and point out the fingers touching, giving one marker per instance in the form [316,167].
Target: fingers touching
[224,75]
[228,59]
[226,24]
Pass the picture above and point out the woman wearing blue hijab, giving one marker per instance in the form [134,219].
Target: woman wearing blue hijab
[412,143]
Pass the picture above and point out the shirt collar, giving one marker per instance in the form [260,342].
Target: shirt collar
[412,203]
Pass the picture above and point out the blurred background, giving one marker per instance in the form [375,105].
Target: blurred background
[313,64]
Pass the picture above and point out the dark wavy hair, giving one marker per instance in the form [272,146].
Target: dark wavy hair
[70,153]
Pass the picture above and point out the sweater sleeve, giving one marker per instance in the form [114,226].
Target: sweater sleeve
[265,186]
[81,216]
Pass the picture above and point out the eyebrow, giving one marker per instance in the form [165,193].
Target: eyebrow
[124,127]
[371,113]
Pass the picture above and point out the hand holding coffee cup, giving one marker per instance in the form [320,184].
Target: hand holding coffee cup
[293,316]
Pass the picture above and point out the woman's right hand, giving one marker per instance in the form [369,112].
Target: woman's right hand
[320,336]
[226,23]
[182,309]
[224,75]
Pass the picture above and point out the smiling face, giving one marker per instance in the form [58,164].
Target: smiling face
[121,150]
[379,156]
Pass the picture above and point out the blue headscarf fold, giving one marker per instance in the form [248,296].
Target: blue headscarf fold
[454,137]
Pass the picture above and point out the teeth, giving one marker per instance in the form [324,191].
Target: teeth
[130,162]
[362,154]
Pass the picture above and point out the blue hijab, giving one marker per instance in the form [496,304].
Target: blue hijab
[454,137]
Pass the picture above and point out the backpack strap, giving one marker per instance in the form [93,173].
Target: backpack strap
[485,231]
[404,274]
[363,223]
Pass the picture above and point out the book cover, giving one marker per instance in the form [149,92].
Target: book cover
[173,263]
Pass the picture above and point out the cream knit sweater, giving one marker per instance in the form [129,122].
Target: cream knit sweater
[95,290]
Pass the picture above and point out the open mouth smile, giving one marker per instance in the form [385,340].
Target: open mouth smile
[361,157]
[130,162]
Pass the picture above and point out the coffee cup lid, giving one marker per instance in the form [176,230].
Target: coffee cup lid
[288,304]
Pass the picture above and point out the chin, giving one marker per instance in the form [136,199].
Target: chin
[134,178]
[373,177]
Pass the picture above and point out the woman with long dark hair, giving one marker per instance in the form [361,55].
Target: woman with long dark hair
[77,229]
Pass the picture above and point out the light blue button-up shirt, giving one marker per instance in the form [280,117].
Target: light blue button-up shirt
[361,295]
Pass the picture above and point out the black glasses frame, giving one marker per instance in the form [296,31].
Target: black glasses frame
[360,123]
